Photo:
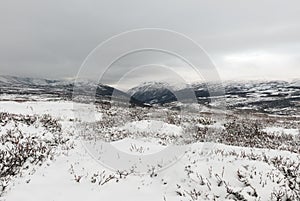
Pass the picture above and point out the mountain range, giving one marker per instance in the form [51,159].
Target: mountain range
[280,97]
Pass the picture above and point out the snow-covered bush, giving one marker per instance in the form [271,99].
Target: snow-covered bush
[26,139]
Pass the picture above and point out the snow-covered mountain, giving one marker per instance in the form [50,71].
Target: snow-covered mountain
[279,97]
[12,85]
[13,80]
[153,93]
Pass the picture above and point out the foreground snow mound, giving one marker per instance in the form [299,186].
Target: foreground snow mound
[225,173]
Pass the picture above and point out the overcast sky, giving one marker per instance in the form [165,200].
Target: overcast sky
[252,39]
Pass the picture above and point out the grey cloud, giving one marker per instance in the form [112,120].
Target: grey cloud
[52,38]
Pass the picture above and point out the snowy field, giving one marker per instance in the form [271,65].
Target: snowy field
[44,158]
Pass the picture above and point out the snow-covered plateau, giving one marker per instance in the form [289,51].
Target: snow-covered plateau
[241,157]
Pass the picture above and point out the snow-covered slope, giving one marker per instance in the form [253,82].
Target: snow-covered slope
[275,97]
[29,87]
[206,171]
[153,92]
[25,81]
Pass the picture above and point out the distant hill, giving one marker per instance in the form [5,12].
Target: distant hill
[276,97]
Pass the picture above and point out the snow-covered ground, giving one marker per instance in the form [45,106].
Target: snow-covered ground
[279,130]
[213,172]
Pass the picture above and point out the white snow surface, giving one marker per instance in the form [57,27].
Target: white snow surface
[56,180]
[153,126]
[63,110]
[138,147]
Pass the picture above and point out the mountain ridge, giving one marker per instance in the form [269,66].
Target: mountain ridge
[265,96]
